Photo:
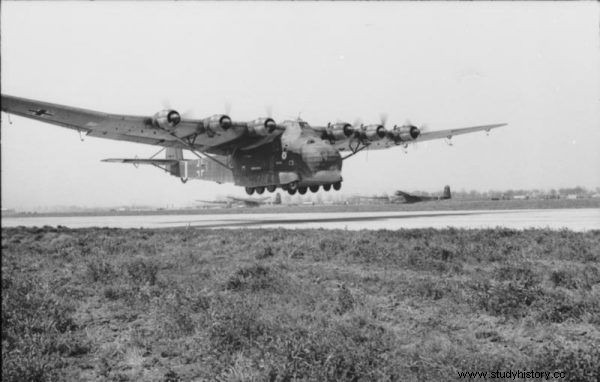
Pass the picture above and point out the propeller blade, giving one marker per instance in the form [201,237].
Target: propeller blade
[383,117]
[165,103]
[269,111]
[187,113]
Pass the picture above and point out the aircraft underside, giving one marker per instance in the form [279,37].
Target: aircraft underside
[290,181]
[269,168]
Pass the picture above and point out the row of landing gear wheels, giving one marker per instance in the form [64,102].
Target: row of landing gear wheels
[293,187]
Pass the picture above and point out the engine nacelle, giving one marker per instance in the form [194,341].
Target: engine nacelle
[166,119]
[218,121]
[406,133]
[261,127]
[374,132]
[338,131]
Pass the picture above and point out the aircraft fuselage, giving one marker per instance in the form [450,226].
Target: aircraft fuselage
[298,158]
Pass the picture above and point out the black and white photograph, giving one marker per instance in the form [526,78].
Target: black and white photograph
[300,190]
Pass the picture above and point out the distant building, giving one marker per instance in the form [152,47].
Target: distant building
[520,197]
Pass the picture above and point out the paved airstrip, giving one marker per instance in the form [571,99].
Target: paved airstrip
[581,219]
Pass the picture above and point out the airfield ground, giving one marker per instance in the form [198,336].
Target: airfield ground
[439,205]
[283,305]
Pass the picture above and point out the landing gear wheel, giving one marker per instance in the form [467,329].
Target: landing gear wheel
[183,180]
[260,190]
[314,188]
[293,186]
[271,188]
[302,190]
[337,186]
[291,191]
[249,190]
[327,187]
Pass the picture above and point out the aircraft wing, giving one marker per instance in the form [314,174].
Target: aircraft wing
[375,197]
[139,129]
[212,201]
[427,136]
[142,161]
[391,139]
[249,201]
[403,194]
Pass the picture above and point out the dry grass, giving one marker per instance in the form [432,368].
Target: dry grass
[279,305]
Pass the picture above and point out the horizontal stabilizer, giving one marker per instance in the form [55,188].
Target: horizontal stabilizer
[142,161]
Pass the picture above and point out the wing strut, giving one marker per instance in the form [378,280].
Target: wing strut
[355,150]
[159,151]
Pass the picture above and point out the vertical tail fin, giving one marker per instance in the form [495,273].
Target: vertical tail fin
[446,194]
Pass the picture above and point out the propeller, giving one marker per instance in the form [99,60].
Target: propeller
[383,117]
[406,132]
[423,128]
[270,125]
[225,122]
[166,104]
[174,117]
[273,125]
[419,131]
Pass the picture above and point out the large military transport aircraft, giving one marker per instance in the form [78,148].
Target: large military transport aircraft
[258,155]
[409,198]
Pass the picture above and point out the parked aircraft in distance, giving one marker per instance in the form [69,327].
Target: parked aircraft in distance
[258,155]
[404,197]
[247,202]
[408,198]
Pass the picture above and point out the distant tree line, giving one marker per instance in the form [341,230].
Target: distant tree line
[554,193]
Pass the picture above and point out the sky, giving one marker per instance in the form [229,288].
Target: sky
[535,66]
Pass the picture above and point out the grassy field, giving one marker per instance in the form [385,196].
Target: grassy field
[315,305]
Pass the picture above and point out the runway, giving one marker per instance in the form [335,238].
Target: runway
[581,219]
